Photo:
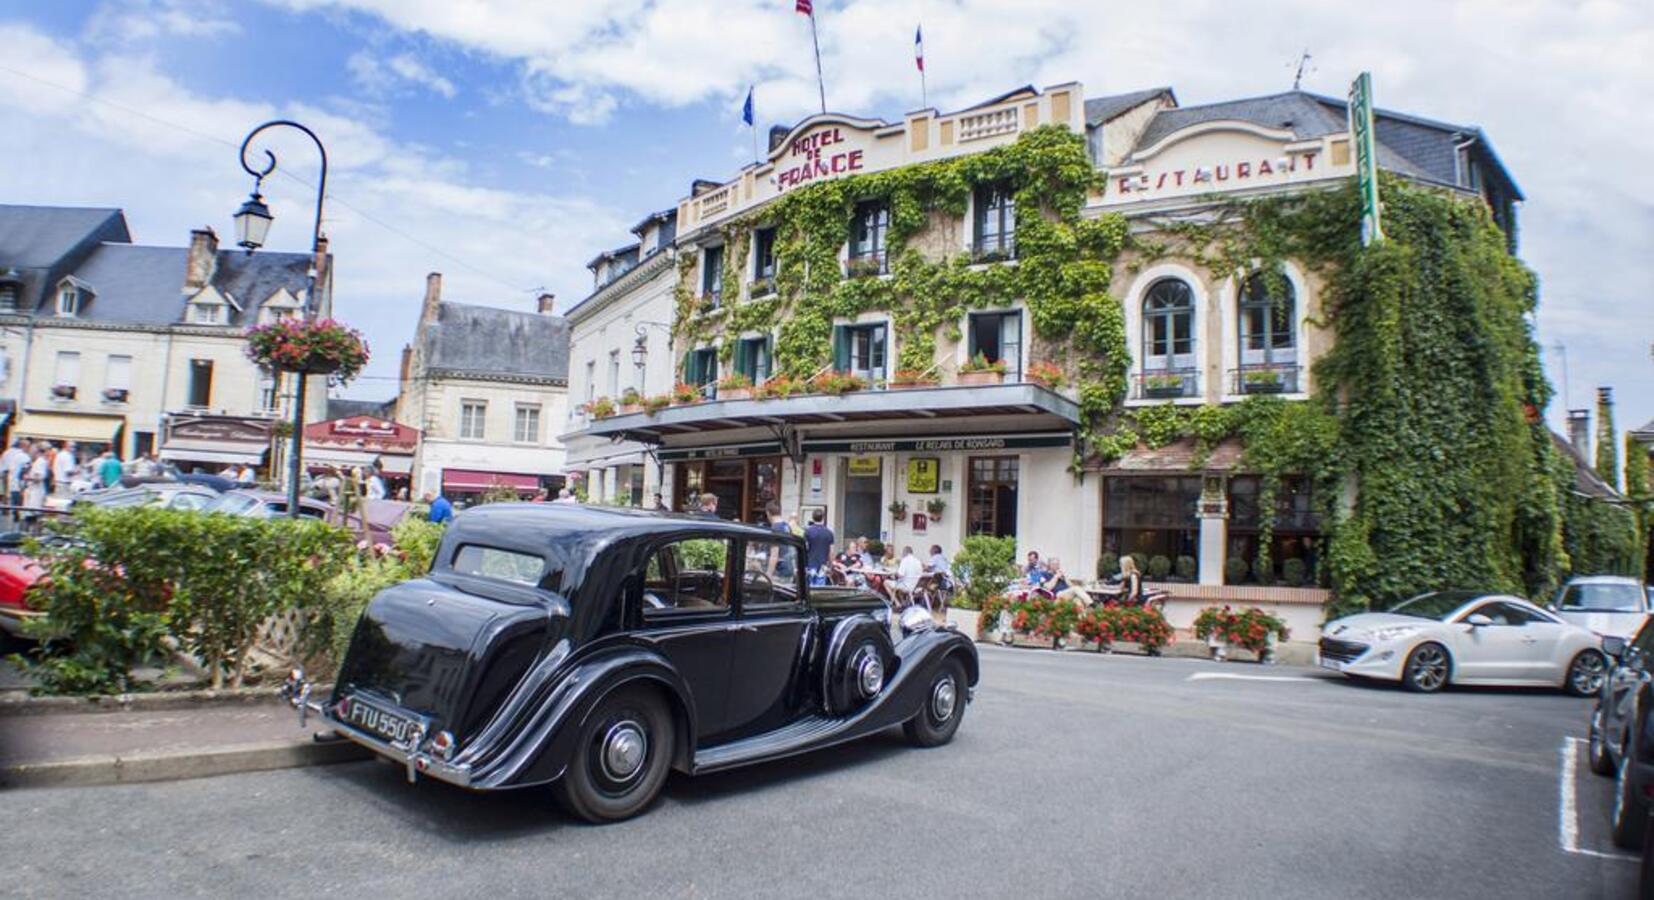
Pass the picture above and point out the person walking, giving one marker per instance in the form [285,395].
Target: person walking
[15,462]
[109,469]
[64,468]
[376,483]
[818,547]
[40,471]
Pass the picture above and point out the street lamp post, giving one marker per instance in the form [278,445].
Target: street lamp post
[252,225]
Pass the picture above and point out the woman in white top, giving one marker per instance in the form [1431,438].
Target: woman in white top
[34,491]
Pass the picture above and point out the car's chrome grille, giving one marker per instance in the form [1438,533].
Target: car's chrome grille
[1342,651]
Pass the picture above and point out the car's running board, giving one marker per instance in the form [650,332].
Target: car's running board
[805,734]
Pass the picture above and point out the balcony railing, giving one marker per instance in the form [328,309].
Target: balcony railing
[987,124]
[1265,378]
[1166,384]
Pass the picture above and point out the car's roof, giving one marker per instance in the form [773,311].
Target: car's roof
[1605,579]
[598,518]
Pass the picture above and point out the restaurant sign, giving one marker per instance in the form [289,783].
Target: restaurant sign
[823,153]
[732,451]
[943,444]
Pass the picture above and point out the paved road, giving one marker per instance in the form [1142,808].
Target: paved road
[1074,775]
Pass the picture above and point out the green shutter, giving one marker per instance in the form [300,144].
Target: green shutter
[841,348]
[710,375]
[743,357]
[689,367]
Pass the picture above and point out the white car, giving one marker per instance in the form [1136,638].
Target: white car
[1610,605]
[1465,637]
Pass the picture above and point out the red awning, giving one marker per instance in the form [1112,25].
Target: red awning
[471,480]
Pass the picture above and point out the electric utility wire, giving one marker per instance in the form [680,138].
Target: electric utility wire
[120,107]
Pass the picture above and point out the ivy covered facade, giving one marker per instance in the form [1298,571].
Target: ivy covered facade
[1118,325]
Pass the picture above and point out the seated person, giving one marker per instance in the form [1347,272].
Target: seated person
[939,566]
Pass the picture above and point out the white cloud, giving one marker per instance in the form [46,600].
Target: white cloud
[492,245]
[137,21]
[382,76]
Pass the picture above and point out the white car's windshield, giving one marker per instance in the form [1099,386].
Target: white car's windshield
[1608,596]
[1434,605]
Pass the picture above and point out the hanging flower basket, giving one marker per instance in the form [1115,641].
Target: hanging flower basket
[322,347]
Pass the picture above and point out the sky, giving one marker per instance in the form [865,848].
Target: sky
[506,142]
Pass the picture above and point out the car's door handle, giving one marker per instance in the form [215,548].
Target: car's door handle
[1530,640]
[743,627]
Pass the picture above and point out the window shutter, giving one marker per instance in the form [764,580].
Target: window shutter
[689,367]
[841,348]
[743,357]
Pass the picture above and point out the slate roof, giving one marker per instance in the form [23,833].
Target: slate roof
[44,242]
[1586,479]
[340,408]
[485,340]
[668,219]
[134,284]
[1100,109]
[1645,433]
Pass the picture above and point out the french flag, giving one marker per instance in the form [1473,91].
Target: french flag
[803,7]
[919,47]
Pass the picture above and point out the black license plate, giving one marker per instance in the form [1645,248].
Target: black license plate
[380,721]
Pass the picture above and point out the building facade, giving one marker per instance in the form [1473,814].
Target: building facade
[487,389]
[622,341]
[110,343]
[956,409]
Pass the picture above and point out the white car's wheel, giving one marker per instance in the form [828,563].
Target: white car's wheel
[1427,669]
[1585,674]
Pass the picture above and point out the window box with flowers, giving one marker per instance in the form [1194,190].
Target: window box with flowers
[655,404]
[735,386]
[1251,629]
[1047,375]
[864,266]
[837,384]
[630,401]
[63,392]
[115,395]
[1144,626]
[978,370]
[1262,381]
[780,387]
[905,379]
[601,408]
[684,394]
[1163,386]
[760,288]
[321,347]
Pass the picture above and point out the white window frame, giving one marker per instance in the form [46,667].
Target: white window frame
[465,420]
[118,364]
[517,423]
[68,301]
[66,369]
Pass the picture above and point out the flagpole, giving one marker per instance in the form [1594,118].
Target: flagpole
[821,85]
[753,126]
[924,94]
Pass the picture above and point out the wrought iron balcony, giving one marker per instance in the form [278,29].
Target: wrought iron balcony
[1166,384]
[1265,378]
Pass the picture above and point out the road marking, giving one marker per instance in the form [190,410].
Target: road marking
[1568,808]
[1204,676]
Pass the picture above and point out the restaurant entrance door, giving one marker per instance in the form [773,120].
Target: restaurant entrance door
[863,496]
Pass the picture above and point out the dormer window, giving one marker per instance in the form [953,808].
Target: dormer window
[207,314]
[270,315]
[68,301]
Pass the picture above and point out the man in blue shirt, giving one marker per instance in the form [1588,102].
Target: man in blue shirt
[441,509]
[818,547]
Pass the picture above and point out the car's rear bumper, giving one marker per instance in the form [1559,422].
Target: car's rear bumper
[411,754]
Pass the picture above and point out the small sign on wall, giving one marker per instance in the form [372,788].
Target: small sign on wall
[919,522]
[923,473]
[862,466]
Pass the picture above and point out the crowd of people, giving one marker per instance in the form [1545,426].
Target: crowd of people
[33,470]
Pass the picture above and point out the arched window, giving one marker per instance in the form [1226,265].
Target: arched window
[1168,326]
[1268,335]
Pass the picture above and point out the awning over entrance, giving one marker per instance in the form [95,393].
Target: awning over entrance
[1180,456]
[68,427]
[334,456]
[222,452]
[472,480]
[1051,409]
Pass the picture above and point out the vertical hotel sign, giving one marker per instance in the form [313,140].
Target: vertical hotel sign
[1366,156]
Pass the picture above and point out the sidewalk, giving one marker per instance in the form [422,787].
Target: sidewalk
[94,747]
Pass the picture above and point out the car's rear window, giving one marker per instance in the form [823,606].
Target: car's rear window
[1605,596]
[493,562]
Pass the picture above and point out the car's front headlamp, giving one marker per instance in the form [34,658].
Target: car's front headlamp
[1393,632]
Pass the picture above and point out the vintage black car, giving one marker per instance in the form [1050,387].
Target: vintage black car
[1622,732]
[594,649]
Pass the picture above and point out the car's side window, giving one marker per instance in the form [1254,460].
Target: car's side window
[1494,611]
[686,576]
[770,575]
[1517,615]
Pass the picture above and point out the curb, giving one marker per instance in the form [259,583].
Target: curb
[19,703]
[203,762]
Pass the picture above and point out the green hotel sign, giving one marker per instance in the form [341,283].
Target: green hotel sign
[1366,156]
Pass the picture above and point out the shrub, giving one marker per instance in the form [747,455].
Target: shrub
[630,397]
[1047,374]
[985,566]
[980,363]
[1293,572]
[1159,567]
[655,404]
[1186,568]
[735,381]
[1262,571]
[414,544]
[1146,626]
[1108,566]
[1249,629]
[601,408]
[1234,570]
[1142,561]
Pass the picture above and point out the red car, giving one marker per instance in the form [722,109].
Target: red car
[18,573]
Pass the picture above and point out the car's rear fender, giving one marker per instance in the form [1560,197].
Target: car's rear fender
[538,749]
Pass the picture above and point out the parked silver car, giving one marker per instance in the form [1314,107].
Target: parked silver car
[1610,605]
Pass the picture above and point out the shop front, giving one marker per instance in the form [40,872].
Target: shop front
[745,478]
[210,443]
[466,487]
[358,442]
[91,433]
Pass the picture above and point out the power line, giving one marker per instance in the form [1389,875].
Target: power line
[121,107]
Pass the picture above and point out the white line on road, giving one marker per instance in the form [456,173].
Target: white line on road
[1568,808]
[1204,676]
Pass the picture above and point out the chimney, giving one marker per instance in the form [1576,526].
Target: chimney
[778,133]
[202,259]
[546,304]
[1579,431]
[433,297]
[1607,460]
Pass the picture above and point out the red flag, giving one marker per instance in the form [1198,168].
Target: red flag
[804,7]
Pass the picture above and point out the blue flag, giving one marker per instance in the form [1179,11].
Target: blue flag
[746,108]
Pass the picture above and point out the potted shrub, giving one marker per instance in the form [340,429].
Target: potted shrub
[836,383]
[1212,626]
[630,401]
[1048,375]
[63,392]
[863,267]
[1293,572]
[977,370]
[1262,381]
[684,394]
[911,378]
[655,404]
[1234,570]
[1165,384]
[319,347]
[935,507]
[1186,568]
[898,510]
[735,386]
[1108,566]
[761,287]
[1159,567]
[601,408]
[779,387]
